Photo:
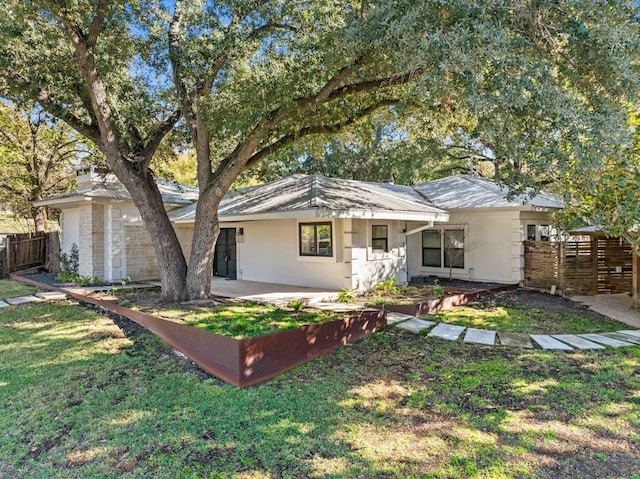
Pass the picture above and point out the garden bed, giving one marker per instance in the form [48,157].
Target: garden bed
[248,361]
[413,303]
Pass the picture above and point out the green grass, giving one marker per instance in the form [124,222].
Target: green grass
[11,289]
[246,319]
[12,225]
[525,320]
[81,397]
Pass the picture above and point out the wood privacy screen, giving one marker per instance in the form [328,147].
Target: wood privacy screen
[600,266]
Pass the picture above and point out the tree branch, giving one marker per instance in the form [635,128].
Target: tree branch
[97,23]
[315,130]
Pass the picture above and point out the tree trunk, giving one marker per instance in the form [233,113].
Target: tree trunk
[147,198]
[40,219]
[205,235]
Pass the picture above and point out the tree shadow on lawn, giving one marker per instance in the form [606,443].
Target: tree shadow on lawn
[391,405]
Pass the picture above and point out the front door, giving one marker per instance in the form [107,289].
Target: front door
[225,259]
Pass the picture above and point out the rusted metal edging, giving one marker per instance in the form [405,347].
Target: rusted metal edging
[443,304]
[248,361]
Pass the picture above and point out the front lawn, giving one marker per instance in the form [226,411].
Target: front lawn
[11,289]
[525,311]
[84,395]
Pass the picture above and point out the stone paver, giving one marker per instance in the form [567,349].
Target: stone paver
[623,337]
[51,295]
[23,300]
[480,336]
[447,331]
[338,307]
[393,317]
[3,304]
[578,342]
[598,338]
[415,325]
[631,332]
[515,339]
[548,342]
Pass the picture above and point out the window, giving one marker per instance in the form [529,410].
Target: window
[531,232]
[454,248]
[538,232]
[443,248]
[380,237]
[431,248]
[315,239]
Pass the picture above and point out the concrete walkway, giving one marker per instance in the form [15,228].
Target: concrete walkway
[616,306]
[269,292]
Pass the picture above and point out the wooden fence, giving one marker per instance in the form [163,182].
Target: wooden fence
[600,266]
[30,250]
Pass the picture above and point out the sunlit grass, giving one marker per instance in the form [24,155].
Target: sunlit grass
[12,289]
[246,319]
[80,398]
[524,320]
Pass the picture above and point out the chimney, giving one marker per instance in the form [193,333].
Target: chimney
[90,176]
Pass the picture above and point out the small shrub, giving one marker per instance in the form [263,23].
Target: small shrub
[437,290]
[347,296]
[69,263]
[75,278]
[296,304]
[388,286]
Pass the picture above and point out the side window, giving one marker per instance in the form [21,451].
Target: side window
[380,238]
[454,248]
[538,232]
[315,239]
[531,232]
[431,248]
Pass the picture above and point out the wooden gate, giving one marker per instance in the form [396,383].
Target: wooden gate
[30,250]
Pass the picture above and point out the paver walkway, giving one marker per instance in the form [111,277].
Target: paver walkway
[561,342]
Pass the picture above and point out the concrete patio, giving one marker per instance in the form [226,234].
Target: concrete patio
[269,292]
[615,306]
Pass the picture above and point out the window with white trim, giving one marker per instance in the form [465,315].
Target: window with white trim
[315,239]
[538,232]
[443,247]
[380,238]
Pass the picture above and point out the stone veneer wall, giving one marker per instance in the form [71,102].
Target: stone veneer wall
[140,255]
[91,246]
[185,236]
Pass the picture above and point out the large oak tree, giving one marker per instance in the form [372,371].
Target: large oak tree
[529,80]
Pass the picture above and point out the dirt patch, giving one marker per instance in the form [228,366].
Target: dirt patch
[526,298]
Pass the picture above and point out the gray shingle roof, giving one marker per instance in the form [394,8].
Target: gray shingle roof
[319,196]
[172,194]
[465,191]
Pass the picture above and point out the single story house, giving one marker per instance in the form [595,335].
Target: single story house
[310,230]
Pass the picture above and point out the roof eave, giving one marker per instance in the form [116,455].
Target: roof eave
[311,213]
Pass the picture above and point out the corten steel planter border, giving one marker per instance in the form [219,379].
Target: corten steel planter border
[247,361]
[443,304]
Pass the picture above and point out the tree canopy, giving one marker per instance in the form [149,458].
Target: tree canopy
[36,156]
[537,84]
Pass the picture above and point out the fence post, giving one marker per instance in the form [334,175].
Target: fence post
[4,257]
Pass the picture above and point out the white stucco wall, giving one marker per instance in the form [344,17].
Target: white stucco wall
[493,247]
[268,252]
[70,229]
[369,266]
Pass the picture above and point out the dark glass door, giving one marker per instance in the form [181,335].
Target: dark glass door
[225,259]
